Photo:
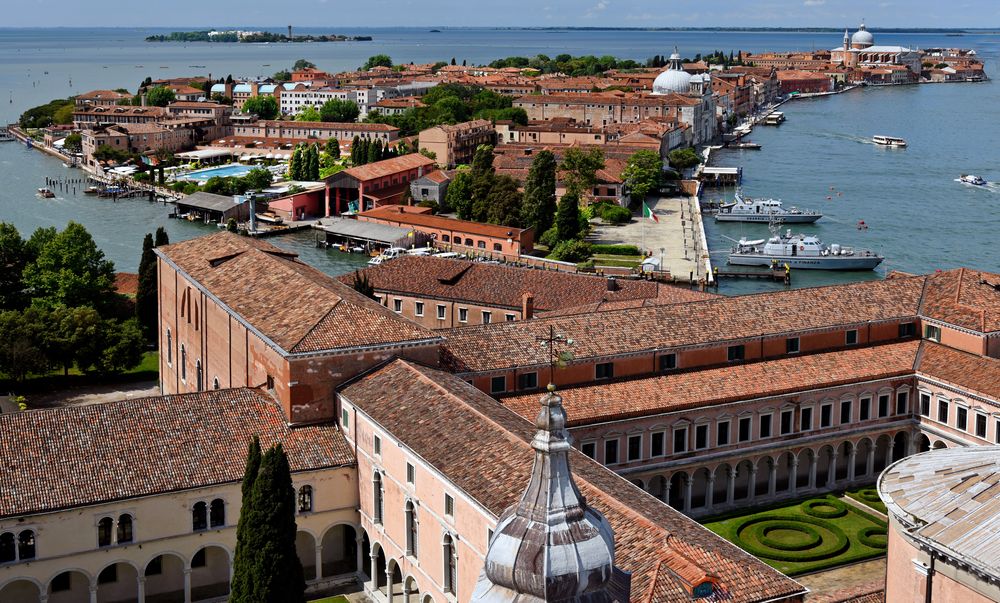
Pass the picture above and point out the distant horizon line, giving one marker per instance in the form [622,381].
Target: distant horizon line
[733,28]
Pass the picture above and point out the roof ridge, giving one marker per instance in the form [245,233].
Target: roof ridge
[315,325]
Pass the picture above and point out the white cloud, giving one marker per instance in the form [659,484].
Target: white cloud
[597,8]
[814,2]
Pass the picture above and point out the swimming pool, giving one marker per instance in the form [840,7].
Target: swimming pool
[224,171]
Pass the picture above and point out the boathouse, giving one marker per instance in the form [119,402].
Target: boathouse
[214,208]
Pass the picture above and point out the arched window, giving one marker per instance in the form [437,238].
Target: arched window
[183,363]
[199,516]
[8,552]
[125,529]
[450,564]
[411,529]
[305,499]
[217,514]
[198,374]
[104,529]
[215,383]
[26,545]
[170,347]
[377,491]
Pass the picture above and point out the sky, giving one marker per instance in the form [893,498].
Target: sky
[473,13]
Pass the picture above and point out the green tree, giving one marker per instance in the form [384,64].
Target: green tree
[161,237]
[70,270]
[246,534]
[146,295]
[160,96]
[63,115]
[309,113]
[312,163]
[73,142]
[303,64]
[258,179]
[362,285]
[282,76]
[579,169]
[458,195]
[333,148]
[504,202]
[74,336]
[683,159]
[483,175]
[373,150]
[540,193]
[14,256]
[122,346]
[568,217]
[231,225]
[23,349]
[295,165]
[355,149]
[105,152]
[379,60]
[339,110]
[642,173]
[264,107]
[571,251]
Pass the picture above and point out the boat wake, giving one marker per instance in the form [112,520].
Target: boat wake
[993,187]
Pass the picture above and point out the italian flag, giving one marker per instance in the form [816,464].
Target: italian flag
[648,213]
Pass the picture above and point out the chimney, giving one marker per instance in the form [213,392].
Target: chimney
[143,101]
[527,306]
[612,284]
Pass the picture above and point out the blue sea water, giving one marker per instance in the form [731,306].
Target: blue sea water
[919,217]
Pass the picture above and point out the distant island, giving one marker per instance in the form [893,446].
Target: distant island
[249,37]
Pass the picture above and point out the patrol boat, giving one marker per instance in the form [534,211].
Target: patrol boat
[748,209]
[801,252]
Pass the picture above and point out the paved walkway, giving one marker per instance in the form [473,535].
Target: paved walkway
[95,394]
[676,238]
[844,578]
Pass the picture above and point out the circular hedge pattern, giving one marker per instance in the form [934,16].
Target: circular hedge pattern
[869,495]
[874,537]
[824,508]
[791,538]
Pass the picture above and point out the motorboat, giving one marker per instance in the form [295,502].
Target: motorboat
[972,179]
[746,145]
[91,190]
[270,218]
[46,193]
[748,209]
[888,141]
[801,252]
[379,259]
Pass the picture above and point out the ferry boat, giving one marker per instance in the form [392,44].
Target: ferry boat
[46,193]
[972,179]
[748,209]
[801,252]
[888,141]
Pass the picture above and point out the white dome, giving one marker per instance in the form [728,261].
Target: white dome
[672,80]
[863,37]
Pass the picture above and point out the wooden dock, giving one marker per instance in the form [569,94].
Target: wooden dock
[778,274]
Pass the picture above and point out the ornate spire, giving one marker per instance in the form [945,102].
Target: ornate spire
[550,546]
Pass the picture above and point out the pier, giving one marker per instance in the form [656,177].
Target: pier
[778,274]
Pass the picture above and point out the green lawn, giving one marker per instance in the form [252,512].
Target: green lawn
[148,370]
[623,261]
[805,536]
[337,599]
[868,496]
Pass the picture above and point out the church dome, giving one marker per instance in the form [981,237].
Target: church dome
[862,37]
[674,79]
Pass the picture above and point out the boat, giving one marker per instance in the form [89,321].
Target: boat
[748,209]
[375,261]
[801,252]
[972,179]
[888,141]
[91,190]
[270,218]
[46,193]
[745,145]
[774,118]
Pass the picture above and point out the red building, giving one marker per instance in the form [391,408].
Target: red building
[803,81]
[377,184]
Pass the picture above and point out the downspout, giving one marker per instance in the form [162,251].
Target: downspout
[930,580]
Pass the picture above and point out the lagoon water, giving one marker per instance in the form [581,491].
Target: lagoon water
[919,217]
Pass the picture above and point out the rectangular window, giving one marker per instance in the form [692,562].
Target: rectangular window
[700,437]
[786,421]
[852,337]
[656,444]
[901,399]
[509,317]
[925,404]
[943,411]
[825,415]
[487,317]
[463,315]
[345,419]
[449,505]
[397,305]
[805,419]
[907,329]
[668,362]
[765,426]
[744,429]
[589,449]
[680,440]
[610,452]
[735,353]
[527,381]
[933,333]
[498,385]
[961,418]
[845,411]
[411,473]
[883,405]
[441,310]
[418,308]
[605,370]
[980,425]
[866,409]
[722,434]
[377,446]
[996,432]
[792,345]
[634,447]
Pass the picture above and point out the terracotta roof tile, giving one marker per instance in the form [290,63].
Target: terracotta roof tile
[403,215]
[961,369]
[294,305]
[389,167]
[965,298]
[147,446]
[484,449]
[501,345]
[680,391]
[126,283]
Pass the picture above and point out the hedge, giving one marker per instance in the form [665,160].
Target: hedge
[763,535]
[839,508]
[615,250]
[874,537]
[823,551]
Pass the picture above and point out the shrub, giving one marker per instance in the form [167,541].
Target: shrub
[874,537]
[549,238]
[748,531]
[615,214]
[571,251]
[762,532]
[815,508]
[615,249]
[431,203]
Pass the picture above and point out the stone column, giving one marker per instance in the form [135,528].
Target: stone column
[851,457]
[93,591]
[141,588]
[911,447]
[813,463]
[374,571]
[731,485]
[772,477]
[666,491]
[388,582]
[406,593]
[831,475]
[688,484]
[187,585]
[319,561]
[710,492]
[752,486]
[793,476]
[359,542]
[890,452]
[44,597]
[870,461]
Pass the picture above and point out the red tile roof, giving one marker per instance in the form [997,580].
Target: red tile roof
[682,391]
[400,215]
[147,446]
[389,167]
[484,449]
[963,370]
[126,283]
[501,345]
[964,298]
[294,305]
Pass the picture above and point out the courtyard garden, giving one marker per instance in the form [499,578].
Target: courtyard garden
[805,536]
[868,496]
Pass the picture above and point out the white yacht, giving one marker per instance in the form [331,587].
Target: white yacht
[801,252]
[748,209]
[972,179]
[888,141]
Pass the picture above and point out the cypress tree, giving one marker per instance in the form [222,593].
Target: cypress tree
[312,166]
[293,165]
[278,576]
[146,293]
[161,238]
[483,176]
[246,534]
[374,149]
[355,150]
[540,193]
[568,217]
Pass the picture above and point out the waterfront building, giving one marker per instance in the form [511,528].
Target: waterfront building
[143,138]
[87,116]
[101,98]
[278,133]
[860,50]
[373,185]
[515,160]
[803,81]
[432,186]
[455,144]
